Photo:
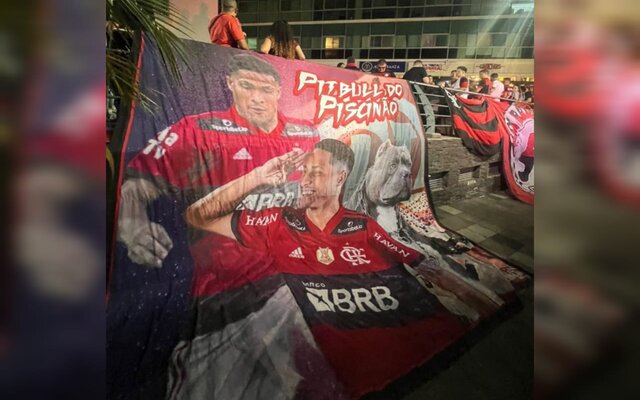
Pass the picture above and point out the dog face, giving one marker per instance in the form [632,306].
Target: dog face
[389,178]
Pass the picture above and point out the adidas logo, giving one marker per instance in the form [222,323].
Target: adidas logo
[242,154]
[297,253]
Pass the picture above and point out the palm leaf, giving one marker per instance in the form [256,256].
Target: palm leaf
[160,21]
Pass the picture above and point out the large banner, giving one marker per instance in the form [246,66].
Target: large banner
[485,126]
[274,236]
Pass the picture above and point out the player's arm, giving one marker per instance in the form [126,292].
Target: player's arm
[147,242]
[300,53]
[214,211]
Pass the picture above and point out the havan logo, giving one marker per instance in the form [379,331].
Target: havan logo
[390,245]
[261,221]
[376,299]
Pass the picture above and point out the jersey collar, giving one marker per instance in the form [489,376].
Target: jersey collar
[277,131]
[333,222]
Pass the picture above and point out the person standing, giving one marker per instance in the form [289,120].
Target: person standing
[462,82]
[351,64]
[453,79]
[225,29]
[382,69]
[417,73]
[527,94]
[281,43]
[497,88]
[515,93]
[485,83]
[507,88]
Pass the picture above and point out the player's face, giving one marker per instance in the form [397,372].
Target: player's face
[459,73]
[255,97]
[320,180]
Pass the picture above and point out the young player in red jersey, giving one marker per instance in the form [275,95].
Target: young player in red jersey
[370,317]
[202,152]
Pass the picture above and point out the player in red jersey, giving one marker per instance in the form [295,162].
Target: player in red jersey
[371,318]
[202,152]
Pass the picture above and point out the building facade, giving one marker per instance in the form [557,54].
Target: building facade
[497,34]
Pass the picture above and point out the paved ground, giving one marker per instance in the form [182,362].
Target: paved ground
[496,364]
[496,222]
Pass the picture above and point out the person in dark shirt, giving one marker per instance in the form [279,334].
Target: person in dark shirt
[351,64]
[417,73]
[382,69]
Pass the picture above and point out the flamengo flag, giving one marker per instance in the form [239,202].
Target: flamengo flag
[485,125]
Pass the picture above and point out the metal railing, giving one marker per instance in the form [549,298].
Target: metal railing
[431,96]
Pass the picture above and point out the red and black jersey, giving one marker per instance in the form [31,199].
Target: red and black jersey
[206,151]
[213,148]
[485,86]
[370,317]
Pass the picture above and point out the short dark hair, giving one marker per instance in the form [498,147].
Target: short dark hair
[484,71]
[340,152]
[382,61]
[340,65]
[351,60]
[251,63]
[506,79]
[463,68]
[494,75]
[417,63]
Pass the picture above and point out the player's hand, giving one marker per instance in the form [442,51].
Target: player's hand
[275,171]
[148,243]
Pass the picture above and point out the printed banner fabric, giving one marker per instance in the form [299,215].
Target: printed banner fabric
[274,237]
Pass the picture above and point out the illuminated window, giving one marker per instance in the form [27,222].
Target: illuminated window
[333,42]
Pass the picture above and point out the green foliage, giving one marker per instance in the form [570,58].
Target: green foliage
[160,21]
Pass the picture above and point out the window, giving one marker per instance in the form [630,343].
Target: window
[333,42]
[252,43]
[333,53]
[399,53]
[381,41]
[430,40]
[285,5]
[434,53]
[381,53]
[383,13]
[498,39]
[437,11]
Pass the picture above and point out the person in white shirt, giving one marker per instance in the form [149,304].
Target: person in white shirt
[497,87]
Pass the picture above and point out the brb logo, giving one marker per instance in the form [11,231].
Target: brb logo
[376,299]
[354,256]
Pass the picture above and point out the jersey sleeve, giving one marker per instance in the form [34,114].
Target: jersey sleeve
[167,156]
[256,229]
[235,30]
[394,250]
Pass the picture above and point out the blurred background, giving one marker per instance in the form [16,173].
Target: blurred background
[52,135]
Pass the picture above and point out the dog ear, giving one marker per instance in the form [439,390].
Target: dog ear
[383,147]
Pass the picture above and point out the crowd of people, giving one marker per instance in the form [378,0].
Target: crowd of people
[225,30]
